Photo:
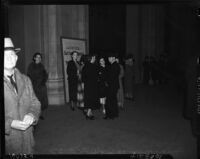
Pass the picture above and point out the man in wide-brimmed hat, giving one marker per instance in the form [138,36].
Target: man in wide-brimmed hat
[22,108]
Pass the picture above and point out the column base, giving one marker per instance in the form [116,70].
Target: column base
[56,91]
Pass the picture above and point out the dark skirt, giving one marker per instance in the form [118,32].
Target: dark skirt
[102,89]
[72,84]
[91,99]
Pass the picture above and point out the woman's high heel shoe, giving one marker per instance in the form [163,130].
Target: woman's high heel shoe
[72,108]
[84,112]
[89,117]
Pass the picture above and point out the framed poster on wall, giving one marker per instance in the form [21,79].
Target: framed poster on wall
[68,45]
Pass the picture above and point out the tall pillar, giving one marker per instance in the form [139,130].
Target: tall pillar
[51,48]
[67,21]
[38,28]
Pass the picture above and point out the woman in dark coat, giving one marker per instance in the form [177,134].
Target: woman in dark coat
[39,76]
[102,84]
[72,72]
[90,79]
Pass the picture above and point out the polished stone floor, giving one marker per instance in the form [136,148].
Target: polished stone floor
[153,123]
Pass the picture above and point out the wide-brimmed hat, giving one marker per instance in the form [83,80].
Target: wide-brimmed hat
[8,45]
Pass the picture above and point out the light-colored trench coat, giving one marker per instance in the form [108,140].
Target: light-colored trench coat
[16,107]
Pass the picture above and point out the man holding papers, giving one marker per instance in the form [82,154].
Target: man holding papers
[21,106]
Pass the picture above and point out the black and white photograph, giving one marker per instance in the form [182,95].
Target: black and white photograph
[114,79]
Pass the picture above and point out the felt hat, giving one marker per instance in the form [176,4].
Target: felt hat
[8,45]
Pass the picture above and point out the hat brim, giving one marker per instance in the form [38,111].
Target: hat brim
[14,49]
[17,50]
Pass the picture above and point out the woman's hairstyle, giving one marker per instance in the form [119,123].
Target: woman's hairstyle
[35,54]
[83,59]
[74,52]
[101,57]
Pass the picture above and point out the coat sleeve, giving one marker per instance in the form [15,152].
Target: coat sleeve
[35,107]
[69,68]
[8,121]
[84,73]
[8,116]
[45,76]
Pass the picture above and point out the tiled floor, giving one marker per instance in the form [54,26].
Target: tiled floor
[153,123]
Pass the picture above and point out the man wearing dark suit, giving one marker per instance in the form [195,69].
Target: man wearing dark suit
[113,86]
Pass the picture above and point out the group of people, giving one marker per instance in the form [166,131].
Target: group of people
[99,82]
[155,70]
[95,82]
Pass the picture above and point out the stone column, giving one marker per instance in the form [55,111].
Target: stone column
[51,48]
[67,21]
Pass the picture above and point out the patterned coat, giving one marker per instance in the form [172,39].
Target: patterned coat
[16,107]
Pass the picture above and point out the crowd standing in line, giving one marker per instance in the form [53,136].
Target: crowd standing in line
[99,84]
[155,71]
[22,107]
[94,83]
[39,76]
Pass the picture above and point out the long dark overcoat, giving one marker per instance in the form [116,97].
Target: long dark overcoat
[90,79]
[16,107]
[72,80]
[39,76]
[113,86]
